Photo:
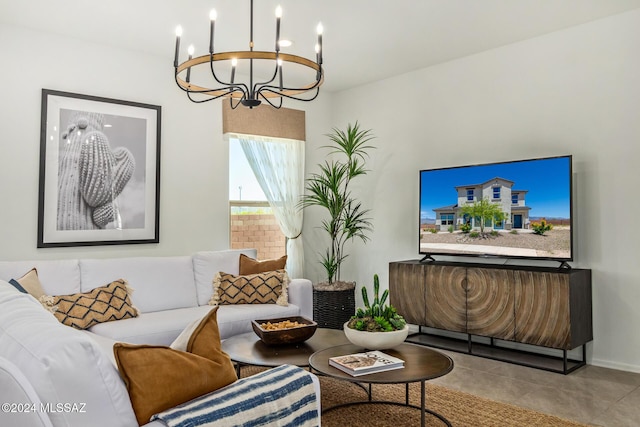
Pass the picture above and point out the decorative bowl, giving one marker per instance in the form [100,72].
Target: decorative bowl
[284,336]
[376,340]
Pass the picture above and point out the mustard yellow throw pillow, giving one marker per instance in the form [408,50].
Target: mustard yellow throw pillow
[158,378]
[103,304]
[249,265]
[261,288]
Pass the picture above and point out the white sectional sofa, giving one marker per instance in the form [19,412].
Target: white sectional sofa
[44,361]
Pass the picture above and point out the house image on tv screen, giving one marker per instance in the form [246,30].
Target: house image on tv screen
[497,191]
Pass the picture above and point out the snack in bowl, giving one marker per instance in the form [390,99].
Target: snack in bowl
[284,330]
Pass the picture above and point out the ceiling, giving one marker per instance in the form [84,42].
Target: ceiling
[364,40]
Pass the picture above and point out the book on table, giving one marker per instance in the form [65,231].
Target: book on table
[366,363]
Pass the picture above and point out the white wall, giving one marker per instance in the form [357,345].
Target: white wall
[570,92]
[194,162]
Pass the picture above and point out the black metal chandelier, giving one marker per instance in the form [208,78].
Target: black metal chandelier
[249,94]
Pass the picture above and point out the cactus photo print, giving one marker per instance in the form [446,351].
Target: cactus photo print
[99,171]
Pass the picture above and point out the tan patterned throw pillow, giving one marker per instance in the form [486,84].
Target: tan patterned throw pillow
[103,304]
[263,288]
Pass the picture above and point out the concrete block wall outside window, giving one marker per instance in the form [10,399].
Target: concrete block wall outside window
[259,231]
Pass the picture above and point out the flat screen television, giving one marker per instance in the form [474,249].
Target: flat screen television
[515,209]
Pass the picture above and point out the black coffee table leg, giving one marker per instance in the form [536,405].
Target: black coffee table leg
[422,403]
[423,409]
[406,394]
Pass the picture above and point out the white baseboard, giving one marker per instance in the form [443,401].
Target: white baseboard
[615,365]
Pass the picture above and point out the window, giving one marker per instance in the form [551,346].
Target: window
[274,142]
[469,194]
[496,192]
[252,223]
[446,219]
[243,184]
[514,199]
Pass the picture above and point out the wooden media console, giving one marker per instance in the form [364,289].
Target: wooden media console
[485,307]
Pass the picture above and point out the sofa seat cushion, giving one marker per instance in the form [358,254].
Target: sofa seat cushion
[159,283]
[63,364]
[155,328]
[104,343]
[163,327]
[206,264]
[57,277]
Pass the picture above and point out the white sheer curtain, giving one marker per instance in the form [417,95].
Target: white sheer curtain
[278,165]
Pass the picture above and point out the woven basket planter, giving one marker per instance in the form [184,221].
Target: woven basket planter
[332,308]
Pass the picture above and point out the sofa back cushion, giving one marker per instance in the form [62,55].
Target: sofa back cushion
[158,283]
[57,277]
[62,364]
[207,264]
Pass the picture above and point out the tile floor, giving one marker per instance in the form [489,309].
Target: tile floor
[591,395]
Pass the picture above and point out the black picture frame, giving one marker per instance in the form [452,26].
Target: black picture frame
[99,171]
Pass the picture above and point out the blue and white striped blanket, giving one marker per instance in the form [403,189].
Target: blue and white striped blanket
[282,396]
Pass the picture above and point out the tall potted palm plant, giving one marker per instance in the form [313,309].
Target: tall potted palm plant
[347,219]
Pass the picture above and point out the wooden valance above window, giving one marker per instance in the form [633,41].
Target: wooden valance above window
[264,120]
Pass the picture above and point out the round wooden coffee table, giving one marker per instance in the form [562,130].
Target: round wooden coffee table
[420,364]
[247,349]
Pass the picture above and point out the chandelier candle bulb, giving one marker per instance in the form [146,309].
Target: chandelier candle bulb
[178,35]
[212,16]
[234,62]
[278,16]
[319,30]
[191,50]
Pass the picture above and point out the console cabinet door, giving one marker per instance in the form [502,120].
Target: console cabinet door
[542,309]
[490,302]
[446,297]
[407,291]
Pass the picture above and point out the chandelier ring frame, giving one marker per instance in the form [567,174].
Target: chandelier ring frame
[209,59]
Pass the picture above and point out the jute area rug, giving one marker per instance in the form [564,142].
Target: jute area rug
[461,409]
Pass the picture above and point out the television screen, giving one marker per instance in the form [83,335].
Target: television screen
[517,209]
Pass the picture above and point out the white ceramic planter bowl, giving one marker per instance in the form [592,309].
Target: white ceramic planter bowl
[376,340]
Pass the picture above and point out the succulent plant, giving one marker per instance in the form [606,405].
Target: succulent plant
[376,316]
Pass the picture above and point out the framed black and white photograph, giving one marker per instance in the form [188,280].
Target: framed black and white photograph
[99,171]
